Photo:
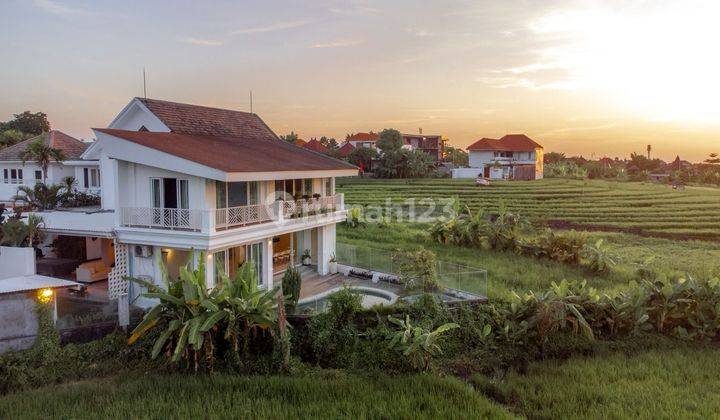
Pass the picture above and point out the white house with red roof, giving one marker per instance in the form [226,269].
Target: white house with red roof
[183,182]
[513,156]
[14,172]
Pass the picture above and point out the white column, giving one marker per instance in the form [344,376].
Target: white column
[267,246]
[123,310]
[325,247]
[209,266]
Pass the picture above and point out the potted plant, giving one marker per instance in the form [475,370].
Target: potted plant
[306,260]
[332,265]
[316,196]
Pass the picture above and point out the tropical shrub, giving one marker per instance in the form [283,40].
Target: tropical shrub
[291,283]
[193,319]
[599,258]
[417,343]
[39,196]
[417,269]
[354,218]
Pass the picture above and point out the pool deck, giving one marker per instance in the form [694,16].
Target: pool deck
[314,284]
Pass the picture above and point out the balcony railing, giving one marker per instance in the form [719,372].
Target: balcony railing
[243,215]
[159,218]
[310,206]
[227,218]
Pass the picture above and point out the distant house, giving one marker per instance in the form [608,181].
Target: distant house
[513,156]
[14,173]
[300,142]
[430,144]
[363,139]
[316,146]
[345,150]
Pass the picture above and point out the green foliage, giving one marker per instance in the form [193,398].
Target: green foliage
[315,395]
[389,141]
[362,155]
[417,269]
[456,156]
[290,138]
[564,169]
[354,218]
[27,122]
[39,196]
[41,153]
[14,233]
[193,320]
[10,137]
[416,343]
[291,284]
[599,257]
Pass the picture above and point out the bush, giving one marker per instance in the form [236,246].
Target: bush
[291,283]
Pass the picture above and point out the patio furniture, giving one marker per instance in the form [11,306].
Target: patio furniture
[92,271]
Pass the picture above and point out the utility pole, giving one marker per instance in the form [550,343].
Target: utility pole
[144,85]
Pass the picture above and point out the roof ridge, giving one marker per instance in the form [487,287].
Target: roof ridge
[196,105]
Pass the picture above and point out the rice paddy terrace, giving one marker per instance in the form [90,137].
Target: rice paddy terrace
[642,208]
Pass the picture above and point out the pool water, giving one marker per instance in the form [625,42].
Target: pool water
[370,298]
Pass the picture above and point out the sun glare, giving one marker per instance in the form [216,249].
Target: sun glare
[660,62]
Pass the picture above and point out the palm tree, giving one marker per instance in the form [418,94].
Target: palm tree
[68,184]
[42,154]
[40,196]
[34,222]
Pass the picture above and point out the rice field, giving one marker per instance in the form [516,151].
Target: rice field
[638,207]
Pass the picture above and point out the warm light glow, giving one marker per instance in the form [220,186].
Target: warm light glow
[45,295]
[658,61]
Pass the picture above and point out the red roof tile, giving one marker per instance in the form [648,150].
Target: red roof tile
[233,154]
[71,147]
[203,120]
[315,146]
[346,149]
[300,142]
[363,137]
[508,143]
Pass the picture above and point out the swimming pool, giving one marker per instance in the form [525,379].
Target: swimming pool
[370,297]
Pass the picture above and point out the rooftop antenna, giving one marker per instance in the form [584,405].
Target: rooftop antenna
[251,104]
[144,85]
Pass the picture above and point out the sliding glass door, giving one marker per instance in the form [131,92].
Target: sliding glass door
[236,194]
[167,194]
[230,261]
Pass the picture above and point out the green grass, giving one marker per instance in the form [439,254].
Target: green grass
[508,271]
[332,395]
[652,207]
[658,384]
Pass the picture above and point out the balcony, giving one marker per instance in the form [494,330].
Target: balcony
[212,220]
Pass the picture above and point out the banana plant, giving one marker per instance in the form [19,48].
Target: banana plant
[418,344]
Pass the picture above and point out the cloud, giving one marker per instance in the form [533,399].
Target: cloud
[271,28]
[336,44]
[50,6]
[203,42]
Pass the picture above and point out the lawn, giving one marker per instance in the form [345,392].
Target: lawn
[507,271]
[326,395]
[658,384]
[653,208]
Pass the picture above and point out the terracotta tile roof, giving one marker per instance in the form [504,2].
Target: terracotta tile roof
[363,137]
[346,149]
[508,143]
[203,120]
[71,147]
[316,146]
[300,142]
[233,154]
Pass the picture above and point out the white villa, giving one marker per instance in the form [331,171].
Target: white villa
[14,173]
[182,182]
[513,156]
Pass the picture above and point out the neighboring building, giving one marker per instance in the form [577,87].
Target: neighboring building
[183,181]
[14,173]
[363,140]
[513,156]
[316,146]
[430,144]
[345,150]
[300,142]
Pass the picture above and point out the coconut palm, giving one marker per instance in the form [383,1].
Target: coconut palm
[34,222]
[42,154]
[68,185]
[14,233]
[39,196]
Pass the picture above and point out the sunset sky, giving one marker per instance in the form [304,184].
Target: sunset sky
[591,78]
